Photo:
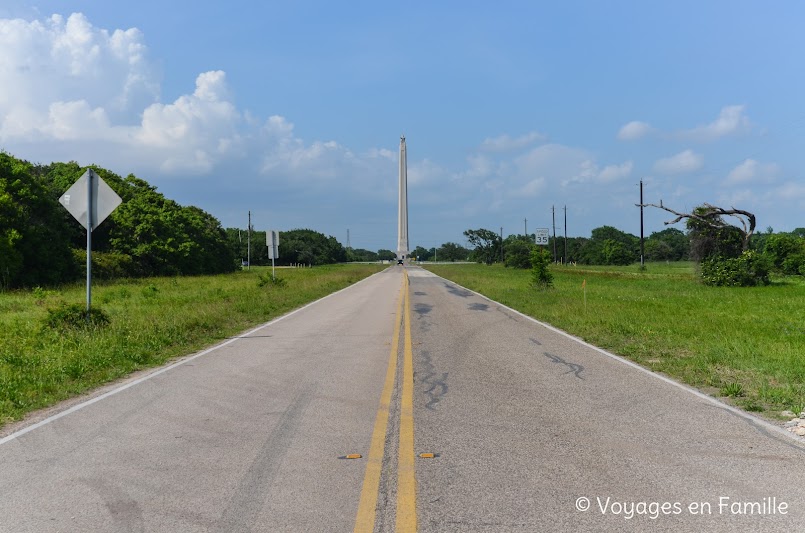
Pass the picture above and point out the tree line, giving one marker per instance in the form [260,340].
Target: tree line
[308,247]
[147,235]
[605,246]
[151,235]
[726,254]
[297,246]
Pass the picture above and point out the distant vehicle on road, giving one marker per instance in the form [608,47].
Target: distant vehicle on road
[399,261]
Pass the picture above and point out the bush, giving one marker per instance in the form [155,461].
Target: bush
[748,270]
[783,246]
[518,254]
[265,279]
[107,265]
[540,275]
[794,264]
[74,316]
[615,253]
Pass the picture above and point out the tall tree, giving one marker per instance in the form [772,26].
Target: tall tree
[165,238]
[451,251]
[421,253]
[34,248]
[386,255]
[360,254]
[517,251]
[669,244]
[608,246]
[309,247]
[487,245]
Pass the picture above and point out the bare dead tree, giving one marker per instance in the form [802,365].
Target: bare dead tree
[710,215]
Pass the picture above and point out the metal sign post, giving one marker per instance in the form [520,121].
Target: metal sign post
[273,243]
[90,200]
[90,227]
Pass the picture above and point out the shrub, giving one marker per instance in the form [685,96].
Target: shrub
[748,270]
[265,279]
[794,264]
[517,254]
[783,246]
[540,275]
[615,253]
[150,291]
[107,265]
[74,316]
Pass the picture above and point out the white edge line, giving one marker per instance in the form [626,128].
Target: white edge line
[718,403]
[159,371]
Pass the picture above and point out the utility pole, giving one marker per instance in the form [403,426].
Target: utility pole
[501,244]
[553,216]
[565,258]
[642,247]
[249,244]
[525,225]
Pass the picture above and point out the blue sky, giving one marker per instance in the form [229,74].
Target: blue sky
[293,110]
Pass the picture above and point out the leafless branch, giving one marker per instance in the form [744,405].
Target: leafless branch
[710,215]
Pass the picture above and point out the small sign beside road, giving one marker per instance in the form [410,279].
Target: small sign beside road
[104,200]
[273,243]
[541,236]
[90,200]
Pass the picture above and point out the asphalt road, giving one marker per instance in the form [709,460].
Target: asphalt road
[526,425]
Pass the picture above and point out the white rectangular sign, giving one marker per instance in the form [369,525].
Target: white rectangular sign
[273,243]
[541,236]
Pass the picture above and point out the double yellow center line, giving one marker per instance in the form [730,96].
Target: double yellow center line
[406,479]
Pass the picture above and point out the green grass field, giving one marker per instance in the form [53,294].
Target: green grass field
[745,344]
[151,321]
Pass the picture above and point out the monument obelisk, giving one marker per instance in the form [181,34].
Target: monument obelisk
[402,207]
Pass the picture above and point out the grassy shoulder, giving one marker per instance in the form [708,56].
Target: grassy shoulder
[744,344]
[151,321]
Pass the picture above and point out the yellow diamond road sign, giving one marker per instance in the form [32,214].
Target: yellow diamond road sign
[104,199]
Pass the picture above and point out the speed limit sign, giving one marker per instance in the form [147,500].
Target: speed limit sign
[542,236]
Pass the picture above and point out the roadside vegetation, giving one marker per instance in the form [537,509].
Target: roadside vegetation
[744,344]
[49,353]
[147,235]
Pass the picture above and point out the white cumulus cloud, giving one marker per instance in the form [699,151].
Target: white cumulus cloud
[70,60]
[731,121]
[751,171]
[590,172]
[634,130]
[195,128]
[74,91]
[681,163]
[612,173]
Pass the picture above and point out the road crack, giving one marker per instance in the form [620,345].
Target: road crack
[574,368]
